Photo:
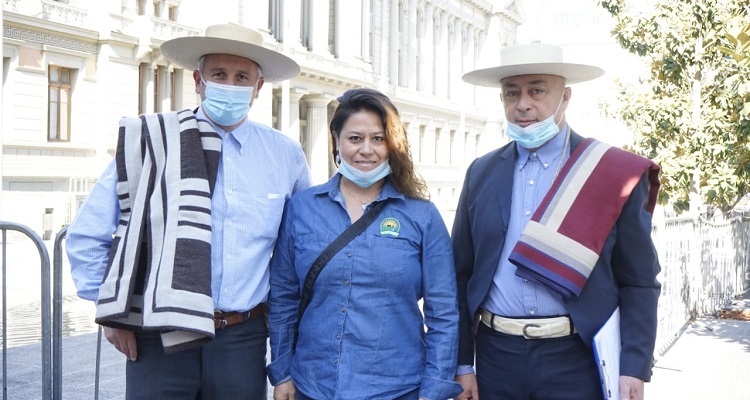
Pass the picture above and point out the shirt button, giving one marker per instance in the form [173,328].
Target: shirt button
[338,336]
[229,158]
[527,213]
[531,182]
[546,165]
[343,309]
[349,254]
[226,136]
[229,256]
[335,361]
[531,312]
[533,154]
[230,191]
[346,282]
[229,223]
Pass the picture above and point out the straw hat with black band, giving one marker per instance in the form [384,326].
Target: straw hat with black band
[231,39]
[532,59]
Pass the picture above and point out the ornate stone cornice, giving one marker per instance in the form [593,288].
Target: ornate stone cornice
[29,36]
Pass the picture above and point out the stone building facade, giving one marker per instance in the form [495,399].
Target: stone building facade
[72,68]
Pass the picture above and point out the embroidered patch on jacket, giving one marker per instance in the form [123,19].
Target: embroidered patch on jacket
[390,227]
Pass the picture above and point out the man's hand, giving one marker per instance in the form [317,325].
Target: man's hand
[285,391]
[469,383]
[123,340]
[631,388]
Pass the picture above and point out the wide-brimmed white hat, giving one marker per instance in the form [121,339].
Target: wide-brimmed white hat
[235,40]
[532,59]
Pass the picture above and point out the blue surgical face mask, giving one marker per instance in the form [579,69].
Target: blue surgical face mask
[536,134]
[227,105]
[364,179]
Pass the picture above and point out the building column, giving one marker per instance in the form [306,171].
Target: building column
[292,14]
[348,31]
[478,44]
[470,143]
[394,44]
[365,31]
[149,106]
[295,95]
[318,24]
[455,58]
[427,49]
[316,143]
[282,112]
[411,66]
[441,56]
[468,61]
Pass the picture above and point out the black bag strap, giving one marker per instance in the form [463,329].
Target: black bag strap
[342,240]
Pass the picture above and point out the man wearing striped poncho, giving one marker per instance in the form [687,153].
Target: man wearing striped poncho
[175,239]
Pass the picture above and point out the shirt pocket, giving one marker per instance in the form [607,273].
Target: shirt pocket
[392,256]
[265,211]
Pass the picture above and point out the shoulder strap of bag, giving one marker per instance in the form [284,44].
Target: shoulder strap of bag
[342,240]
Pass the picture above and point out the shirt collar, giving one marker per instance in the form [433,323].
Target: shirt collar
[546,154]
[240,133]
[331,188]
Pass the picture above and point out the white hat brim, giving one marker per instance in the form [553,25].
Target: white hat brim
[573,73]
[187,51]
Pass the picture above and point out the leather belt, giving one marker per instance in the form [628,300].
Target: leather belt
[226,319]
[530,328]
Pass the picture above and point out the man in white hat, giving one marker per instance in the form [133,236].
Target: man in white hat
[552,234]
[175,239]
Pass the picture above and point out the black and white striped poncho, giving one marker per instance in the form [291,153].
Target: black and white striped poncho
[158,277]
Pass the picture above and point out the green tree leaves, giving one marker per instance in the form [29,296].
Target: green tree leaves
[691,113]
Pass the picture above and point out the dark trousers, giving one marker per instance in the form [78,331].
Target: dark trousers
[232,366]
[413,395]
[513,368]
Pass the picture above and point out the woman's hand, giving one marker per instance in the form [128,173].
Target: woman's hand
[285,391]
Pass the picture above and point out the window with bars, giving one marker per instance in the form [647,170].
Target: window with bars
[60,90]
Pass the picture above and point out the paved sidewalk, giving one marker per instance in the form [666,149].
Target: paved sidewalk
[710,361]
[78,371]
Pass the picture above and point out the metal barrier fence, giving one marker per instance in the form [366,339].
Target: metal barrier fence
[51,340]
[45,307]
[704,265]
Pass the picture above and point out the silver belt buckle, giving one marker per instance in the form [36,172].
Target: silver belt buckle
[526,333]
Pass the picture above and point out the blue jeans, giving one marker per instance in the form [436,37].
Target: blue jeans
[513,368]
[232,366]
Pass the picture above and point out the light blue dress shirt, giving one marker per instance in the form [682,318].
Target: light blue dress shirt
[260,169]
[533,175]
[363,335]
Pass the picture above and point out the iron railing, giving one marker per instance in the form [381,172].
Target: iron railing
[45,307]
[704,266]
